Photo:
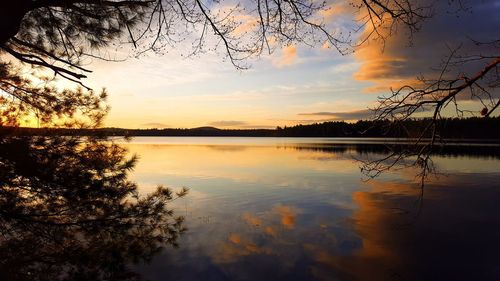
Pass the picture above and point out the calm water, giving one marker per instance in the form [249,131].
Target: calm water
[299,209]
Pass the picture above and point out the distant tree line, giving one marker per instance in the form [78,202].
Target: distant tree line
[456,128]
[452,128]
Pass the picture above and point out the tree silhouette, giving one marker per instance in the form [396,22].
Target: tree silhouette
[450,86]
[53,37]
[68,211]
[462,76]
[56,36]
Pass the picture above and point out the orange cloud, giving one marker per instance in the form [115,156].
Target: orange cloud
[333,10]
[288,56]
[248,24]
[271,231]
[252,220]
[287,214]
[235,238]
[237,247]
[373,222]
[399,59]
[385,68]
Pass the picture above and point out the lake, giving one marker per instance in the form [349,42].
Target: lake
[300,209]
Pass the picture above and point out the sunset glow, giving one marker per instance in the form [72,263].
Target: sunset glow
[296,84]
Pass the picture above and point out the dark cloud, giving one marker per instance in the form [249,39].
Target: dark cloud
[258,127]
[399,61]
[347,115]
[227,123]
[154,125]
[239,124]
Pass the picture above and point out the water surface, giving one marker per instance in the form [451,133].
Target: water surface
[299,209]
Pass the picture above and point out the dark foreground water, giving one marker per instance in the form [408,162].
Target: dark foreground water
[299,209]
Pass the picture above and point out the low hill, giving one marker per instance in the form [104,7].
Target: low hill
[455,128]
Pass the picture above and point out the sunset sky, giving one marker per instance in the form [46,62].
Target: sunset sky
[296,84]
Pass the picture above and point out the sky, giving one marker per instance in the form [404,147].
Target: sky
[297,84]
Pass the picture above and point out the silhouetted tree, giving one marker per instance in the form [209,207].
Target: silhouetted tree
[55,36]
[464,76]
[68,211]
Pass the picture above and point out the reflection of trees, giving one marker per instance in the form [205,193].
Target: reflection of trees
[383,155]
[68,211]
[380,149]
